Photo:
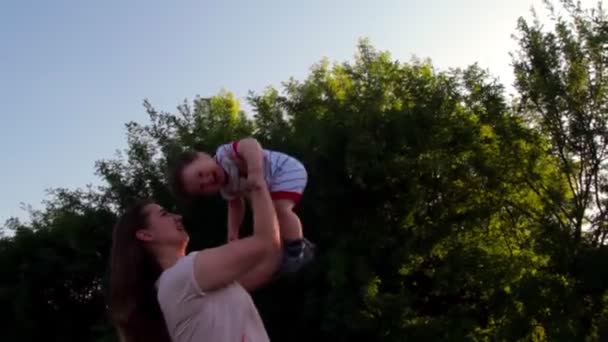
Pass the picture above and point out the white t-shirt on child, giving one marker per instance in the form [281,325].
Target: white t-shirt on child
[283,173]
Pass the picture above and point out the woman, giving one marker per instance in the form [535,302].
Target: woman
[158,293]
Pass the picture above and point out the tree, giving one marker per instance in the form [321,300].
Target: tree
[420,156]
[562,81]
[439,211]
[430,163]
[561,78]
[53,271]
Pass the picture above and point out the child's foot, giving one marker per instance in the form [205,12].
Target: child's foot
[296,255]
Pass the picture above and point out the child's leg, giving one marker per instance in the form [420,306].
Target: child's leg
[297,251]
[289,222]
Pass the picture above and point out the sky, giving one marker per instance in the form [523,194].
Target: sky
[72,73]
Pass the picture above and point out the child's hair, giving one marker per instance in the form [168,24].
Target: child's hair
[176,174]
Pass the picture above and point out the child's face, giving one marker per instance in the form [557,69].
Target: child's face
[203,176]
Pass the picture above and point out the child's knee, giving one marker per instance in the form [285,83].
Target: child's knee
[284,207]
[286,215]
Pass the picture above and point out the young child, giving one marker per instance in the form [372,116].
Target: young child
[230,172]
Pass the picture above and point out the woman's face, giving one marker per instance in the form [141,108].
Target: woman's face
[163,228]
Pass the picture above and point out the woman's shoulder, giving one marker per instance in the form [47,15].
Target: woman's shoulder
[183,265]
[179,277]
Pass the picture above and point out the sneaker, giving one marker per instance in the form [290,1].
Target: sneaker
[292,264]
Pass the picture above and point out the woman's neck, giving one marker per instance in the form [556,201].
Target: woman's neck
[167,258]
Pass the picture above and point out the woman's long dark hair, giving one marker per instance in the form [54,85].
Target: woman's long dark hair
[134,308]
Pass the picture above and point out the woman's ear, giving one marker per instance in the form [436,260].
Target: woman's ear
[143,235]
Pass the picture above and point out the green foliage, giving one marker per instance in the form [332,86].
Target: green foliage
[53,271]
[440,211]
[561,76]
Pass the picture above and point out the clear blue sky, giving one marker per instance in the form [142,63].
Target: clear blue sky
[73,72]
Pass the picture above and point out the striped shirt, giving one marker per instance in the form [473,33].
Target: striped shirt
[283,173]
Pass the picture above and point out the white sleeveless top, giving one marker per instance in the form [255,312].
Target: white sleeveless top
[224,315]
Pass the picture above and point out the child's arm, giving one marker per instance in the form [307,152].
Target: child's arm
[236,213]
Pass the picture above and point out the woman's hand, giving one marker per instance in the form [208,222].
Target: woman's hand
[252,154]
[255,181]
